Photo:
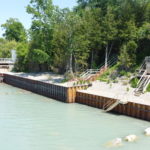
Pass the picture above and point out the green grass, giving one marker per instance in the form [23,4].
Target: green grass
[105,77]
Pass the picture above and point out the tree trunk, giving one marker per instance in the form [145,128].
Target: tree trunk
[40,67]
[106,56]
[70,65]
[92,59]
[75,65]
[110,49]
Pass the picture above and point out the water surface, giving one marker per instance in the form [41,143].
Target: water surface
[32,122]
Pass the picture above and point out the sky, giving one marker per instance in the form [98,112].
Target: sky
[17,9]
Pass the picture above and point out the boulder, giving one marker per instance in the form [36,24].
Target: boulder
[131,138]
[147,131]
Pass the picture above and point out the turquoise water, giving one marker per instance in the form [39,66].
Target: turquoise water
[32,122]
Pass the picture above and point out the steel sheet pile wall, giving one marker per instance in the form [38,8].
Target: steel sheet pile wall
[1,77]
[65,94]
[46,89]
[71,92]
[135,110]
[131,109]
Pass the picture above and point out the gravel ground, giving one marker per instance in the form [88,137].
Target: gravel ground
[48,77]
[118,91]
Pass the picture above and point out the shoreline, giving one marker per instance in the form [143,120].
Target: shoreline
[85,94]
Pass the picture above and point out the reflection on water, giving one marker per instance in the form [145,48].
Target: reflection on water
[32,122]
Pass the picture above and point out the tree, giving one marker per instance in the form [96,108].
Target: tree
[71,42]
[14,30]
[39,56]
[78,39]
[22,57]
[41,31]
[128,55]
[91,18]
[144,31]
[6,47]
[109,32]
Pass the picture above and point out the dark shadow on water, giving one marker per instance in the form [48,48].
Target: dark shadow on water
[114,113]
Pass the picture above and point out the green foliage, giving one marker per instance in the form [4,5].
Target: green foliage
[14,30]
[144,31]
[64,80]
[134,82]
[105,77]
[124,73]
[81,82]
[110,74]
[39,56]
[66,40]
[128,55]
[22,57]
[148,88]
[6,47]
[41,30]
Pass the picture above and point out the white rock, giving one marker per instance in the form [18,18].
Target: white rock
[147,131]
[131,138]
[114,143]
[117,141]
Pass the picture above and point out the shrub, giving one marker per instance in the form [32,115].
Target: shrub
[115,81]
[108,81]
[127,56]
[134,82]
[74,84]
[122,73]
[148,88]
[39,56]
[128,89]
[64,80]
[104,77]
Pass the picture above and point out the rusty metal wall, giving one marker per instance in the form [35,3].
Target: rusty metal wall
[130,109]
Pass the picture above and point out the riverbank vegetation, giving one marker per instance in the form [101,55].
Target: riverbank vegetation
[63,40]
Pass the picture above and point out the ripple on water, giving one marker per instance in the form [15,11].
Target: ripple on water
[32,122]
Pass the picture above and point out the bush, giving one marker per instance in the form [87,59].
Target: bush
[148,88]
[122,73]
[104,77]
[39,56]
[68,76]
[64,80]
[134,82]
[115,81]
[127,56]
[125,73]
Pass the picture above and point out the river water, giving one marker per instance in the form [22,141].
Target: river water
[32,122]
